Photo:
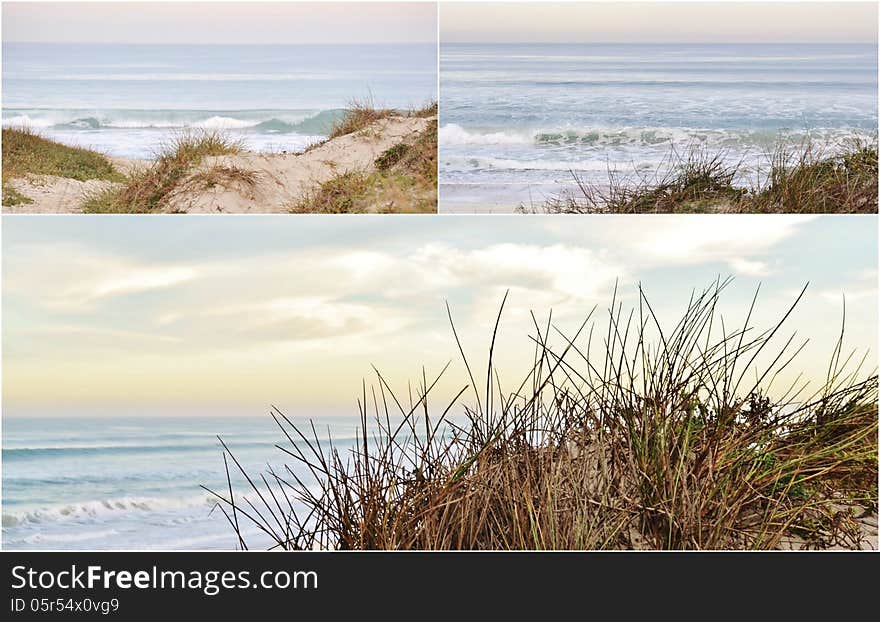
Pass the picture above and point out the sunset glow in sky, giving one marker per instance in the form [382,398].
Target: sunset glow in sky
[220,22]
[143,315]
[658,22]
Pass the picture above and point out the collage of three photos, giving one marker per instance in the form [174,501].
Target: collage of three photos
[435,276]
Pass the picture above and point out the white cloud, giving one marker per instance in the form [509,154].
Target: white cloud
[141,279]
[731,239]
[72,278]
[749,267]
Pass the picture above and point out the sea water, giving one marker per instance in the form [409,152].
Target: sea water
[130,100]
[135,482]
[518,120]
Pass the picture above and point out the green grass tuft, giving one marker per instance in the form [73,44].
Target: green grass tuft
[148,189]
[405,181]
[27,153]
[391,156]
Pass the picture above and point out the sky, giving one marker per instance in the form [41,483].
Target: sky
[658,22]
[140,315]
[220,22]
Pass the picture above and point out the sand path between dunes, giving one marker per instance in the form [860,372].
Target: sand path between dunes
[283,179]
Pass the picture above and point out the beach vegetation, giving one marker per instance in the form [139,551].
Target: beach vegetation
[404,180]
[802,178]
[220,176]
[149,188]
[362,113]
[425,112]
[633,435]
[25,153]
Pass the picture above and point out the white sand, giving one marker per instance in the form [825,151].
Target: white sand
[54,195]
[281,179]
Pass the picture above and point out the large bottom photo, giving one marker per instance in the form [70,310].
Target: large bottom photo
[439,383]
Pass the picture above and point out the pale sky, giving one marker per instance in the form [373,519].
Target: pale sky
[139,315]
[658,22]
[220,22]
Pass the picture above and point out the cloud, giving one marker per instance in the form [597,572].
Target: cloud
[748,267]
[135,280]
[72,278]
[732,239]
[861,286]
[244,319]
[293,318]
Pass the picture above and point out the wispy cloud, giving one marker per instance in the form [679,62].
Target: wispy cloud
[245,316]
[739,241]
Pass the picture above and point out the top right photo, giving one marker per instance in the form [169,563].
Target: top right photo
[661,107]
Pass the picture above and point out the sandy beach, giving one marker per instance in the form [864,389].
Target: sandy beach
[276,181]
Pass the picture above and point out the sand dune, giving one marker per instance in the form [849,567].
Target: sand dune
[272,183]
[282,179]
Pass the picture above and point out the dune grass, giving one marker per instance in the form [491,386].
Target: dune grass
[358,115]
[803,178]
[404,180]
[361,113]
[27,153]
[613,440]
[223,177]
[427,111]
[148,189]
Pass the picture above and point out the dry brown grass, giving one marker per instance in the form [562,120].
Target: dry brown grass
[223,177]
[404,181]
[667,445]
[148,189]
[425,112]
[803,178]
[360,114]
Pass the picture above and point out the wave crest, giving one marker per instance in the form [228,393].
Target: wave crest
[101,507]
[266,122]
[455,135]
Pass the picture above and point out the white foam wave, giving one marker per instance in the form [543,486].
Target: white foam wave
[23,120]
[215,122]
[224,123]
[510,164]
[133,120]
[102,507]
[39,538]
[452,134]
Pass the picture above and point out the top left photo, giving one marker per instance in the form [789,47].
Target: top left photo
[219,108]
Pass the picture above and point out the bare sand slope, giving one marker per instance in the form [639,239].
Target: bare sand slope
[280,180]
[54,195]
[62,195]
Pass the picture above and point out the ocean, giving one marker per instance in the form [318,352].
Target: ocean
[129,100]
[134,483]
[515,120]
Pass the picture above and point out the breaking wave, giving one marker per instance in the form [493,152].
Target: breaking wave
[101,508]
[265,122]
[455,135]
